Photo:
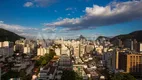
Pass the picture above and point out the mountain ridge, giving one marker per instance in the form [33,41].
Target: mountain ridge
[6,35]
[133,35]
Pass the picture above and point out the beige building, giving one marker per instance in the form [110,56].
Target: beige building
[1,44]
[6,44]
[140,47]
[134,63]
[42,51]
[127,62]
[99,50]
[58,51]
[27,50]
[89,48]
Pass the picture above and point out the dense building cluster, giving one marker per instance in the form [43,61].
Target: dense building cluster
[89,59]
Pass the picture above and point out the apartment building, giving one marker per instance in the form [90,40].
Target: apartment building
[27,50]
[130,63]
[42,51]
[6,48]
[127,62]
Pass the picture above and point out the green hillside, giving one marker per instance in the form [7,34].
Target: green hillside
[8,35]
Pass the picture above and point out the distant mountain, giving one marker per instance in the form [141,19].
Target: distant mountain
[81,37]
[8,35]
[134,35]
[103,37]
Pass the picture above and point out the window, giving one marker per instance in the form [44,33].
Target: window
[131,64]
[136,58]
[130,58]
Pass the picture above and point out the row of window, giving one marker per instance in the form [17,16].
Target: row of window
[136,69]
[135,58]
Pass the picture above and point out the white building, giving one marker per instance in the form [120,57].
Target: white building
[22,42]
[65,50]
[27,50]
[1,44]
[42,51]
[99,49]
[140,47]
[6,48]
[58,51]
[6,44]
[107,58]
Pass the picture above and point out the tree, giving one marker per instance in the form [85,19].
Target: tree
[77,77]
[70,75]
[10,74]
[43,62]
[38,62]
[117,76]
[122,76]
[128,77]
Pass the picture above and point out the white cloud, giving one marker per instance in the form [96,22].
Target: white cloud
[60,18]
[28,35]
[28,4]
[29,32]
[102,16]
[49,29]
[39,3]
[64,30]
[20,30]
[1,22]
[43,3]
[69,8]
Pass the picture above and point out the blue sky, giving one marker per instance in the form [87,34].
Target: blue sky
[70,18]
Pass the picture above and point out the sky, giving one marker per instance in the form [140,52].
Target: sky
[71,18]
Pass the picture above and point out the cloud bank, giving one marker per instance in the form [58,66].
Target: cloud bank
[97,16]
[26,31]
[20,30]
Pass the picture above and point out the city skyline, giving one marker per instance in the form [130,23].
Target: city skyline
[72,18]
